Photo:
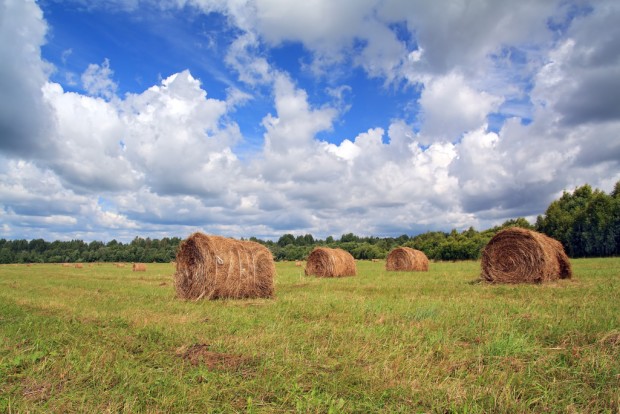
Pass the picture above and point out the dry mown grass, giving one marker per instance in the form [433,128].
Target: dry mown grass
[379,342]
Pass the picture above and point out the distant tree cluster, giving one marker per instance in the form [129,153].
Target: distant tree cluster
[39,251]
[437,245]
[586,222]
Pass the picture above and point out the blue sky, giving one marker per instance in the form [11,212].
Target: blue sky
[262,117]
[142,47]
[145,46]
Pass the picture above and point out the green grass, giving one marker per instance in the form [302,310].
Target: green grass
[105,339]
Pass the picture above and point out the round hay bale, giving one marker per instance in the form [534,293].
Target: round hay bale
[406,259]
[138,267]
[327,262]
[516,255]
[214,267]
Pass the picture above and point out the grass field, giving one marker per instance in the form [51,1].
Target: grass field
[105,339]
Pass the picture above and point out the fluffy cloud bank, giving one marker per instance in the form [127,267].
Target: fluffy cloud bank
[167,160]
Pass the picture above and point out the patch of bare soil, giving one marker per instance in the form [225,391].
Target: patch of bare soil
[37,391]
[198,354]
[612,339]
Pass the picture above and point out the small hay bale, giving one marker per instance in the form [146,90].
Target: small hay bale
[78,266]
[119,265]
[298,263]
[66,265]
[215,267]
[516,255]
[406,259]
[138,267]
[327,262]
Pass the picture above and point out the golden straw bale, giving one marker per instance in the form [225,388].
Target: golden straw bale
[516,255]
[327,262]
[214,267]
[406,259]
[138,267]
[78,265]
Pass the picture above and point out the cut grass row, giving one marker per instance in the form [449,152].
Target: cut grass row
[105,339]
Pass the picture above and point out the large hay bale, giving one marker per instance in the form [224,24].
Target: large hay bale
[327,262]
[214,267]
[517,255]
[138,267]
[406,259]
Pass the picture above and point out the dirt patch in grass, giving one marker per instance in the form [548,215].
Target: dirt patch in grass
[36,391]
[612,339]
[200,354]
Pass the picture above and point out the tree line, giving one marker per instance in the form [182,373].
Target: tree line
[40,251]
[586,222]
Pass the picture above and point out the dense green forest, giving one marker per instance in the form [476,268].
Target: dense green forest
[586,222]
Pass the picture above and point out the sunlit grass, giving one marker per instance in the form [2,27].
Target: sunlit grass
[106,339]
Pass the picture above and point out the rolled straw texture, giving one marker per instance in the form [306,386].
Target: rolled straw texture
[406,259]
[327,262]
[138,267]
[215,267]
[516,255]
